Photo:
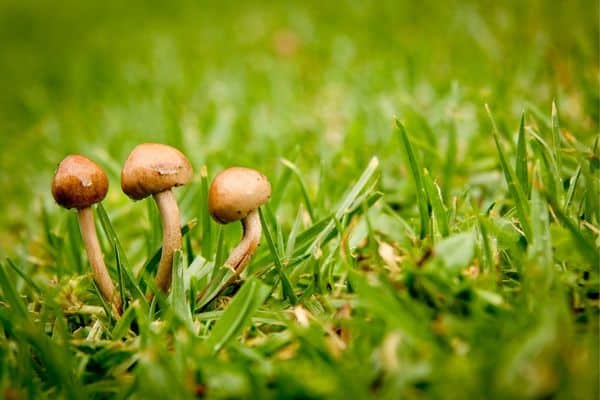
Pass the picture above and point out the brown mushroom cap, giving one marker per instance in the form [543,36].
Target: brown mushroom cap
[79,182]
[235,192]
[153,168]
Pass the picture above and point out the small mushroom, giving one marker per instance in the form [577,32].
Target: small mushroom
[153,169]
[236,194]
[78,183]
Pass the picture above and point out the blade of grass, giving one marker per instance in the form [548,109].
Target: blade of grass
[585,246]
[540,250]
[556,145]
[486,247]
[122,326]
[206,238]
[75,243]
[279,187]
[153,238]
[177,295]
[296,172]
[345,205]
[440,212]
[514,188]
[417,180]
[288,291]
[10,295]
[105,306]
[220,254]
[238,314]
[219,279]
[109,231]
[23,275]
[550,170]
[120,277]
[291,242]
[572,186]
[450,165]
[521,161]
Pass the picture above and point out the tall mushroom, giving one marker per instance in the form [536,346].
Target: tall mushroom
[153,169]
[236,194]
[78,183]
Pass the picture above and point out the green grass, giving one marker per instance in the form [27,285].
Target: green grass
[433,230]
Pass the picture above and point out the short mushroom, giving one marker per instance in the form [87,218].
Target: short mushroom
[236,194]
[78,183]
[153,169]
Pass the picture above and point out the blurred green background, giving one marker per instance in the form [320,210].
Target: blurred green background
[249,82]
[487,311]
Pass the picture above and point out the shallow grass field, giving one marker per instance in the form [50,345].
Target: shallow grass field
[434,225]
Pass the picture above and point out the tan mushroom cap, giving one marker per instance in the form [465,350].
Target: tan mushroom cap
[78,182]
[153,168]
[235,192]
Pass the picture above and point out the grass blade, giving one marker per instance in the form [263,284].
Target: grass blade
[550,171]
[521,161]
[23,275]
[177,295]
[296,172]
[243,306]
[540,250]
[450,165]
[109,231]
[288,291]
[585,245]
[120,277]
[350,200]
[417,179]
[122,326]
[514,188]
[206,237]
[440,213]
[10,295]
[556,145]
[572,186]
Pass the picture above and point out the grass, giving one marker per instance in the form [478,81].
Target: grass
[433,230]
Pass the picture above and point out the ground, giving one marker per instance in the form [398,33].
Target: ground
[433,230]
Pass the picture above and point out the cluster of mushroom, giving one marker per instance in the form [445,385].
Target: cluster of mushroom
[154,169]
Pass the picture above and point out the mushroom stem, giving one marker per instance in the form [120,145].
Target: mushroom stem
[92,247]
[169,213]
[241,254]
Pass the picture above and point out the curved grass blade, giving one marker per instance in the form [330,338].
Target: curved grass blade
[23,275]
[238,314]
[296,172]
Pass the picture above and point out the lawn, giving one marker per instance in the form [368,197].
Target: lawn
[433,229]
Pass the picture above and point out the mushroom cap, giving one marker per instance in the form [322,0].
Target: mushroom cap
[235,192]
[78,182]
[153,168]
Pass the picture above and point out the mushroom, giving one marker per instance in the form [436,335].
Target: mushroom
[236,194]
[78,183]
[153,169]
